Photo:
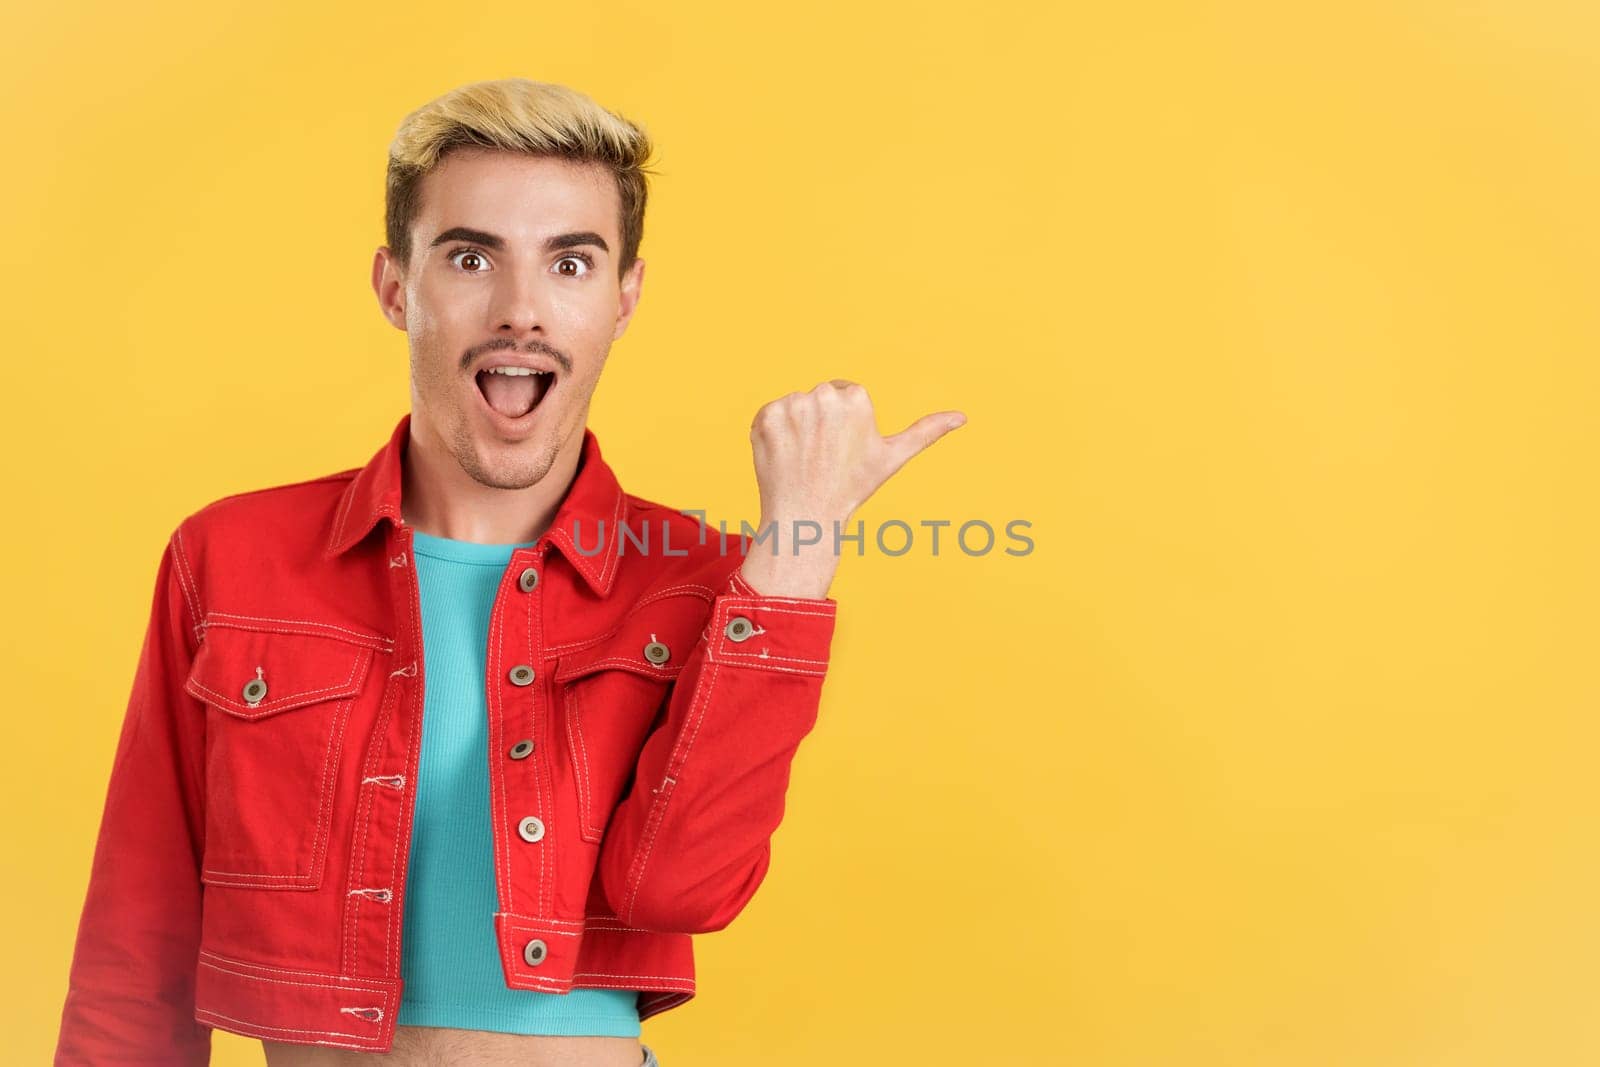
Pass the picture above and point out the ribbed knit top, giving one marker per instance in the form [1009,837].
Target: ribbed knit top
[450,963]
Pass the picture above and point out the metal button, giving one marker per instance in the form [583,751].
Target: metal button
[521,674]
[527,580]
[657,653]
[739,628]
[254,690]
[521,749]
[534,952]
[530,828]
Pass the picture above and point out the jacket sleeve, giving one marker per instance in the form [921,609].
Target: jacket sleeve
[687,848]
[130,992]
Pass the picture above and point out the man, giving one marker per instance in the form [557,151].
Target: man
[611,698]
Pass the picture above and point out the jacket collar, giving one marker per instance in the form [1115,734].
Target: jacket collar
[595,506]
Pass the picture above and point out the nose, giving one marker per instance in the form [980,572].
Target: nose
[518,303]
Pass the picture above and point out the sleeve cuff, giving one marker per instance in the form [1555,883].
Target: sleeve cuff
[792,635]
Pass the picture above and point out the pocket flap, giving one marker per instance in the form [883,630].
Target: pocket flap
[670,627]
[255,673]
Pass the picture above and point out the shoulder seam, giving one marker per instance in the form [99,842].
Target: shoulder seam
[188,582]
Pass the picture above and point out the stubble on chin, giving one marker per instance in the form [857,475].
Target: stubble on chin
[509,467]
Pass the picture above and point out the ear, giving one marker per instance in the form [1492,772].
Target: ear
[389,283]
[632,282]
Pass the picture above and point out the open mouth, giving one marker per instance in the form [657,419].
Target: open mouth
[514,391]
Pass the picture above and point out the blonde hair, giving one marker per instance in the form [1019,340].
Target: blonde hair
[516,115]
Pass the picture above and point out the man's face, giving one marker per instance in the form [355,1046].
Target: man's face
[514,258]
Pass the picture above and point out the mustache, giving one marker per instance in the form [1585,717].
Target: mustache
[532,347]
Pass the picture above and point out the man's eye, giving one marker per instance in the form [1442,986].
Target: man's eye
[475,254]
[581,260]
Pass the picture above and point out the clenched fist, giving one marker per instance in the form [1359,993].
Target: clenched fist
[818,457]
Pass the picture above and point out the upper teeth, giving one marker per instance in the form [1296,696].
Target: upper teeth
[515,370]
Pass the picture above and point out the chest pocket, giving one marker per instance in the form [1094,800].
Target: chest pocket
[277,702]
[613,691]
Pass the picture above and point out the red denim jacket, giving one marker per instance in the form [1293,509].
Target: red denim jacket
[645,705]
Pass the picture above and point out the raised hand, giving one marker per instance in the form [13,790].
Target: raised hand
[818,457]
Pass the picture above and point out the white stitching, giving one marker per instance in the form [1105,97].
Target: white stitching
[186,578]
[541,768]
[340,984]
[642,667]
[539,928]
[728,655]
[245,1024]
[358,840]
[546,812]
[283,703]
[622,624]
[677,760]
[653,977]
[704,592]
[664,796]
[330,765]
[344,513]
[213,877]
[569,699]
[536,921]
[358,845]
[764,602]
[331,981]
[613,557]
[743,590]
[614,925]
[498,790]
[333,754]
[396,915]
[555,985]
[733,603]
[317,629]
[755,666]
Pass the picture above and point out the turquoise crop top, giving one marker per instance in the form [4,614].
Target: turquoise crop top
[450,964]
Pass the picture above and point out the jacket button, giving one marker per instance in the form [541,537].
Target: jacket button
[521,749]
[528,579]
[738,628]
[521,674]
[657,653]
[254,690]
[531,829]
[534,952]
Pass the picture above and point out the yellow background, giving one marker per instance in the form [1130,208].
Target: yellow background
[1277,324]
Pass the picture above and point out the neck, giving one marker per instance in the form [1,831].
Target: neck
[439,498]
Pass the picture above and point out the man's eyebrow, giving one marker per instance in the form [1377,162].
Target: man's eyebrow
[573,240]
[466,233]
[551,244]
